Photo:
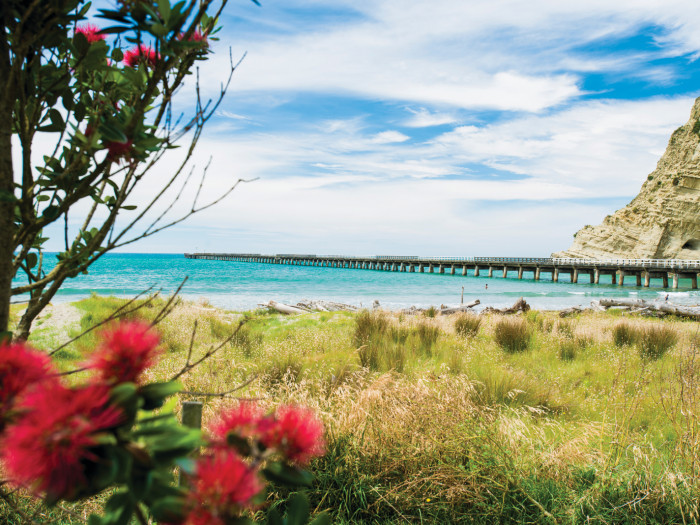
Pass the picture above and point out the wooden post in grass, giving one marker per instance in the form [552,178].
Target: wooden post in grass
[191,418]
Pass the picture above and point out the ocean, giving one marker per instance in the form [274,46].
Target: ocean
[242,286]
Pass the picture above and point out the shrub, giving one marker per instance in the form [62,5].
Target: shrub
[624,334]
[512,334]
[467,325]
[655,341]
[430,312]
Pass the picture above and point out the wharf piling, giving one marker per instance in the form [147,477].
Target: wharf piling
[644,271]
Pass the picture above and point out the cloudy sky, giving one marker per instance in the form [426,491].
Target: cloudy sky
[442,127]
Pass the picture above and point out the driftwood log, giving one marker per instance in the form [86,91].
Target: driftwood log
[307,306]
[462,308]
[641,306]
[519,306]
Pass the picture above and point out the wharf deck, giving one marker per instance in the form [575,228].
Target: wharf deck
[642,270]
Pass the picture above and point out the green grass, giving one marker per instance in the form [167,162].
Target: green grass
[512,334]
[428,425]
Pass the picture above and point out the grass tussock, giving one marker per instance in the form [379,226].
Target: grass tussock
[512,334]
[655,341]
[466,324]
[624,334]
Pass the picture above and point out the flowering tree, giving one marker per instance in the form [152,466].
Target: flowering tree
[115,431]
[104,96]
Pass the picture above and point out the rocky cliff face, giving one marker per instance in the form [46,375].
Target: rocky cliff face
[663,221]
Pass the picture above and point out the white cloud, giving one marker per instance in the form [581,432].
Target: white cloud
[423,118]
[388,137]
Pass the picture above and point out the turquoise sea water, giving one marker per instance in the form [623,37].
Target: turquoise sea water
[241,286]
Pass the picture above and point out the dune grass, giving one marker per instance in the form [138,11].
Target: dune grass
[566,423]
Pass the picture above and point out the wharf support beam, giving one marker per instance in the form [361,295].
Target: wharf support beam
[641,272]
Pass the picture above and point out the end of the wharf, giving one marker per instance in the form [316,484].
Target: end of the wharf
[641,270]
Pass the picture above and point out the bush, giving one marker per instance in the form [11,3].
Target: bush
[427,337]
[624,334]
[430,312]
[512,334]
[467,325]
[655,341]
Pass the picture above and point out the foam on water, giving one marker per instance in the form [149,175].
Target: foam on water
[243,286]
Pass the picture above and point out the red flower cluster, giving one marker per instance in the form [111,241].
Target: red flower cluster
[20,368]
[117,150]
[126,351]
[293,432]
[224,485]
[297,434]
[51,446]
[197,36]
[91,32]
[141,54]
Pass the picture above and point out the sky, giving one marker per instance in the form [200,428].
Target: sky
[449,127]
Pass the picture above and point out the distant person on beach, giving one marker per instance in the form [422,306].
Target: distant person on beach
[486,287]
[666,298]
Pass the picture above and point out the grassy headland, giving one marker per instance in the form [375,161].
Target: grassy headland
[458,419]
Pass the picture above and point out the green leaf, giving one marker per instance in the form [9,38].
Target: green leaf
[56,119]
[158,29]
[42,198]
[5,337]
[274,517]
[155,394]
[31,260]
[298,509]
[51,212]
[117,55]
[168,508]
[81,44]
[125,396]
[287,475]
[111,133]
[128,207]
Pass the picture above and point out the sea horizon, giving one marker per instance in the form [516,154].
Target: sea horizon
[245,286]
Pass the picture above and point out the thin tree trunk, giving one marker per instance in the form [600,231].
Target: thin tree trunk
[7,205]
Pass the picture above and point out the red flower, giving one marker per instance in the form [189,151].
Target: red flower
[141,53]
[126,351]
[297,434]
[20,368]
[247,420]
[223,486]
[197,36]
[117,150]
[91,32]
[51,448]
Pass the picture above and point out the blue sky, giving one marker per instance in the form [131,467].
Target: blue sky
[449,127]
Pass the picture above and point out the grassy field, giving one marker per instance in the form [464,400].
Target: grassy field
[460,419]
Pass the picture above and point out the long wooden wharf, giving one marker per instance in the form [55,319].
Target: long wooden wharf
[643,271]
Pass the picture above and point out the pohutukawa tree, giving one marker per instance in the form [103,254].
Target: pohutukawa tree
[103,95]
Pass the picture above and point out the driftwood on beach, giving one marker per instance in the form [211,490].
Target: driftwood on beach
[519,306]
[639,306]
[443,310]
[306,306]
